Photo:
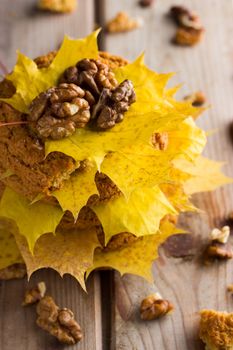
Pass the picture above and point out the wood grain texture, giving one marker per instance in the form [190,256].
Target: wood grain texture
[35,33]
[186,283]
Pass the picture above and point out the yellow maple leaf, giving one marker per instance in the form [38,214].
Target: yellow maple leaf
[67,252]
[205,174]
[32,220]
[137,257]
[9,252]
[140,214]
[76,191]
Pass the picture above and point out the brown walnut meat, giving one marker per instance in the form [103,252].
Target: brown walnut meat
[58,322]
[122,23]
[57,112]
[112,105]
[190,29]
[154,307]
[197,99]
[35,294]
[219,247]
[62,6]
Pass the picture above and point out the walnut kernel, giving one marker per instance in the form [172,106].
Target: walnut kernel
[35,294]
[58,322]
[123,23]
[154,306]
[15,271]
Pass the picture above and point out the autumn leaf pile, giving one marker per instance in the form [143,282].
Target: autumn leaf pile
[153,185]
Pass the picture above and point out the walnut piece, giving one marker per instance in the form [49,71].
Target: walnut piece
[154,306]
[92,76]
[188,36]
[123,23]
[58,322]
[146,3]
[219,248]
[57,112]
[112,105]
[220,235]
[160,140]
[190,30]
[34,294]
[230,288]
[15,271]
[197,99]
[62,6]
[216,330]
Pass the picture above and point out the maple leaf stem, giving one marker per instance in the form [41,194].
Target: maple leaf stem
[13,123]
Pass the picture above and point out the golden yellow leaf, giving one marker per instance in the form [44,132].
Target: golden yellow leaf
[9,252]
[140,214]
[137,257]
[67,252]
[77,190]
[30,81]
[142,165]
[33,220]
[206,175]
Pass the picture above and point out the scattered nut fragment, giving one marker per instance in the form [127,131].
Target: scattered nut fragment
[220,235]
[15,271]
[58,322]
[154,306]
[160,140]
[216,330]
[197,99]
[123,23]
[190,30]
[62,6]
[188,36]
[230,288]
[219,248]
[35,294]
[146,3]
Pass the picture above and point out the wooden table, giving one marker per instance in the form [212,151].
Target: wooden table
[109,312]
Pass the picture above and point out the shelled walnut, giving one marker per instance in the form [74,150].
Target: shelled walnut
[33,295]
[197,99]
[154,306]
[190,30]
[57,112]
[62,6]
[123,23]
[58,322]
[219,248]
[88,93]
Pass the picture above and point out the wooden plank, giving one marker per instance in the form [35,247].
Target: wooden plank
[188,284]
[35,33]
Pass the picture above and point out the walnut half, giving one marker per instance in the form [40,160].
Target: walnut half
[58,322]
